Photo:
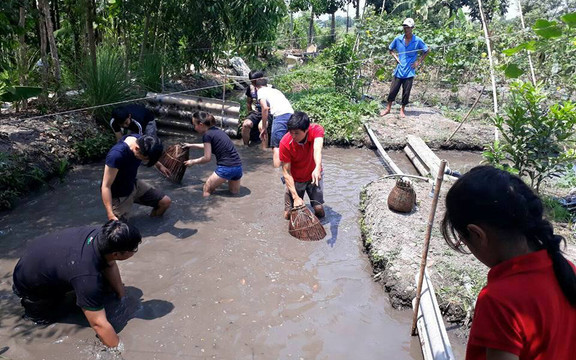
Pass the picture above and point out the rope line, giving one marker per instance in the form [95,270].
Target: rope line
[224,84]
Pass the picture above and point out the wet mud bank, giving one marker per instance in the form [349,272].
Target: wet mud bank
[394,242]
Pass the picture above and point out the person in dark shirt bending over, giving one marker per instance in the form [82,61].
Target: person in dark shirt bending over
[82,260]
[215,141]
[134,118]
[120,187]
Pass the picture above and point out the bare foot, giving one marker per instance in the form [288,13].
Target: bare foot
[384,112]
[402,114]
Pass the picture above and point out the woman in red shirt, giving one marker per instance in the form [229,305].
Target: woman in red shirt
[528,308]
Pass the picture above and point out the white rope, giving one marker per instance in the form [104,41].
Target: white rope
[219,85]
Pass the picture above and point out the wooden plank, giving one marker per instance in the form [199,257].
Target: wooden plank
[426,155]
[389,164]
[431,330]
[422,170]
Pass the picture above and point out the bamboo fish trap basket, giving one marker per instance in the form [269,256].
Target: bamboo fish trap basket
[402,198]
[304,225]
[173,159]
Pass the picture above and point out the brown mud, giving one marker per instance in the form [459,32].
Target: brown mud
[220,277]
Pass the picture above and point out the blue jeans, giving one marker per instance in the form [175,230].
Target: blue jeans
[279,129]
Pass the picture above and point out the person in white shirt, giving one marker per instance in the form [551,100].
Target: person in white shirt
[273,102]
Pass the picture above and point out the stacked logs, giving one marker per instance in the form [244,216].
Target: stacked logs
[174,112]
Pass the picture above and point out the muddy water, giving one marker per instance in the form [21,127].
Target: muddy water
[220,277]
[461,161]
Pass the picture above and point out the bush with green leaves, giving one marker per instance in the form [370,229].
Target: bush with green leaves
[17,175]
[309,77]
[94,148]
[553,48]
[108,83]
[311,89]
[336,112]
[536,140]
[344,64]
[149,73]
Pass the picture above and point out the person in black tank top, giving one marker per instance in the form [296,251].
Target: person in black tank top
[215,141]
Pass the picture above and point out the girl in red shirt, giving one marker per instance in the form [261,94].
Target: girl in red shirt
[528,308]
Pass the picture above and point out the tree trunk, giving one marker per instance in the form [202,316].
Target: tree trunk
[292,40]
[43,54]
[57,15]
[54,15]
[145,34]
[22,40]
[156,23]
[333,27]
[311,28]
[357,4]
[347,17]
[90,32]
[51,40]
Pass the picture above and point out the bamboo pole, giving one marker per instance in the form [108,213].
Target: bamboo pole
[528,52]
[492,76]
[223,97]
[466,117]
[437,187]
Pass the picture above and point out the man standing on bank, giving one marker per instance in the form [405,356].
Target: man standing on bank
[120,187]
[405,49]
[82,260]
[301,156]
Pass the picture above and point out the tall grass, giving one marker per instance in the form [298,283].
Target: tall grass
[107,83]
[149,73]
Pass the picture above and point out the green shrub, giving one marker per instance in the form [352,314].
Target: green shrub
[345,66]
[340,117]
[17,174]
[534,136]
[149,73]
[95,148]
[109,83]
[568,179]
[310,77]
[554,210]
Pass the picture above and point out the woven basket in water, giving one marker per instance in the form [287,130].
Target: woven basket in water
[402,197]
[173,159]
[304,225]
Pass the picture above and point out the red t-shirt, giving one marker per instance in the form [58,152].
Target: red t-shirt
[523,311]
[301,156]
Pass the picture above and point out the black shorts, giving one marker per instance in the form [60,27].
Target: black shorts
[42,310]
[315,193]
[255,117]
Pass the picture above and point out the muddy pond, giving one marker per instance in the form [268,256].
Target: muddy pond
[220,277]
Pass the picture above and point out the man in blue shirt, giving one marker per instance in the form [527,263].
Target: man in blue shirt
[405,49]
[120,186]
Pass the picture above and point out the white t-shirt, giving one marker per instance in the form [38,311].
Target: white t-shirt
[277,102]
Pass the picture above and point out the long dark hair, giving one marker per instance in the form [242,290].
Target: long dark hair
[486,195]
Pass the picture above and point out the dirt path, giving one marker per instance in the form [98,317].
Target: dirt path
[432,127]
